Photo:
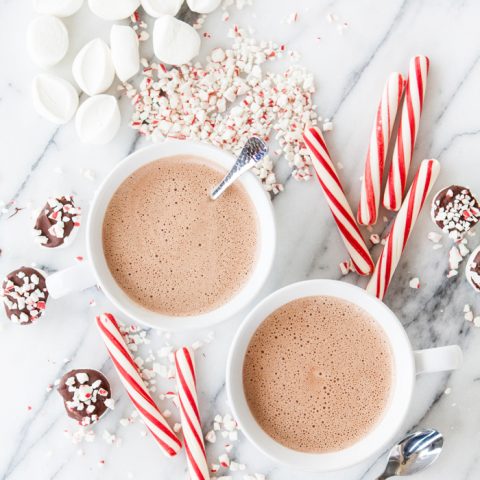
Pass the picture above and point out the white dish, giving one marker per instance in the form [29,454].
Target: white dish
[96,270]
[407,364]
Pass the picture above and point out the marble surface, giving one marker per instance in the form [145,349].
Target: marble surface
[39,160]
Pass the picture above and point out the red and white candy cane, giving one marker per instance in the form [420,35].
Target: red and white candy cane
[190,415]
[133,383]
[377,150]
[337,201]
[402,227]
[407,132]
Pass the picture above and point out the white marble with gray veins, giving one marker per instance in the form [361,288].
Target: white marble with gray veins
[39,160]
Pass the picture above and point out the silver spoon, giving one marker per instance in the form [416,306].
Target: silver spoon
[253,151]
[413,454]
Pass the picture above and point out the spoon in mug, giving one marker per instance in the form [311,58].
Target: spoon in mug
[252,152]
[413,454]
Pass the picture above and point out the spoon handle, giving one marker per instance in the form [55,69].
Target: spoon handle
[231,176]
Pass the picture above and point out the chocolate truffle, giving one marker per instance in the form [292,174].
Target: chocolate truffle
[57,221]
[472,271]
[455,210]
[24,294]
[86,395]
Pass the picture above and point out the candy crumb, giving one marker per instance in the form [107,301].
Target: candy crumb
[375,238]
[414,283]
[434,237]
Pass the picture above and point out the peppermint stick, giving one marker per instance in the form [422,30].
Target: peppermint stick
[337,201]
[402,227]
[407,132]
[133,383]
[377,150]
[189,414]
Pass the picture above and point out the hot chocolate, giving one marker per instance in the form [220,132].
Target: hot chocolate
[317,374]
[170,247]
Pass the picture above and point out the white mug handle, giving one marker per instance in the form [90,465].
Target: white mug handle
[73,279]
[439,359]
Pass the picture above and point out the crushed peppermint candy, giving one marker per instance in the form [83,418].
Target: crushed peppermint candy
[468,314]
[79,436]
[456,256]
[292,18]
[472,270]
[434,237]
[24,295]
[139,26]
[375,238]
[110,438]
[346,267]
[455,210]
[470,317]
[414,283]
[238,4]
[225,426]
[229,100]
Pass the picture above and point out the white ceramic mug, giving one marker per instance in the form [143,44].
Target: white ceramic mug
[407,364]
[95,270]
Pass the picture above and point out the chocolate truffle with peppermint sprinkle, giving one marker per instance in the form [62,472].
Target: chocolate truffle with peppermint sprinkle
[24,295]
[455,211]
[472,270]
[57,221]
[86,394]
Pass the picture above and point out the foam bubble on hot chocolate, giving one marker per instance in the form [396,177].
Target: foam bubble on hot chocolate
[170,247]
[317,374]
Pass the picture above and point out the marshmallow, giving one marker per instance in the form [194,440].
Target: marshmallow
[93,68]
[125,54]
[157,8]
[113,9]
[98,119]
[203,6]
[174,42]
[59,8]
[47,40]
[54,98]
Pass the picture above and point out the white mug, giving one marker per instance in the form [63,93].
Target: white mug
[407,364]
[94,270]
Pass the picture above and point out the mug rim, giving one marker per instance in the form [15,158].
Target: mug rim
[266,245]
[400,396]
